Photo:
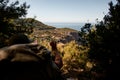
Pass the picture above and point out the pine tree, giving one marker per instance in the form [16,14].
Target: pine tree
[105,41]
[8,13]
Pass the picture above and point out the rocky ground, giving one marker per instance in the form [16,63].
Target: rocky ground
[63,35]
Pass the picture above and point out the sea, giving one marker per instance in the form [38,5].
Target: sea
[75,26]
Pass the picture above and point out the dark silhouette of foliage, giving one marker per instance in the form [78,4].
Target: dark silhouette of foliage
[24,25]
[104,43]
[9,12]
[85,31]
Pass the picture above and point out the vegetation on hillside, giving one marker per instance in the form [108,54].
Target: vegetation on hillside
[75,59]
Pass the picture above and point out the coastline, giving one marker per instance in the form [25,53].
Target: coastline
[72,25]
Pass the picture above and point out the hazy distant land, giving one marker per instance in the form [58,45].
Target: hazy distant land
[64,35]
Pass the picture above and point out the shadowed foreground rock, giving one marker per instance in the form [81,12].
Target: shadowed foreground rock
[27,62]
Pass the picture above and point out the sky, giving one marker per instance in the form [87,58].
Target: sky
[67,10]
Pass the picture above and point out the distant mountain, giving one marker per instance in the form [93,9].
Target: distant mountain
[41,25]
[32,22]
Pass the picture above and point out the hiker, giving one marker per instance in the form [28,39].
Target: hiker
[22,60]
[56,54]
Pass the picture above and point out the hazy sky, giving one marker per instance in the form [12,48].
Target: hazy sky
[67,10]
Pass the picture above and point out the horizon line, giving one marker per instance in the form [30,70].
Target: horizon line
[65,22]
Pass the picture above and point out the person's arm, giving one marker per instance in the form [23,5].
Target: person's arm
[56,54]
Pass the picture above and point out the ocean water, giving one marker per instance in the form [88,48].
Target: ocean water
[75,26]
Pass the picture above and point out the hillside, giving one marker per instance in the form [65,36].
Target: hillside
[45,32]
[32,22]
[63,35]
[41,25]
